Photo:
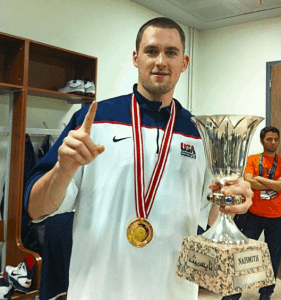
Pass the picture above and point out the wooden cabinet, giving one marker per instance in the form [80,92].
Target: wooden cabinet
[32,68]
[12,61]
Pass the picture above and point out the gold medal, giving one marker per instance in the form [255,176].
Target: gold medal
[140,232]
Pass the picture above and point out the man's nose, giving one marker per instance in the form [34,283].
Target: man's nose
[161,59]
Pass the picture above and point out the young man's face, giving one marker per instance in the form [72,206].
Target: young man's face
[270,142]
[160,61]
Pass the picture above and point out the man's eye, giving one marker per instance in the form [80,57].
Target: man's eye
[171,53]
[151,52]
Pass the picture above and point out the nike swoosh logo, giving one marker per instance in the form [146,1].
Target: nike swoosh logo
[13,273]
[115,140]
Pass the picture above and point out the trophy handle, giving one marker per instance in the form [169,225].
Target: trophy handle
[225,231]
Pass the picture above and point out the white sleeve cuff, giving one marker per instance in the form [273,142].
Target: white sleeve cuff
[67,204]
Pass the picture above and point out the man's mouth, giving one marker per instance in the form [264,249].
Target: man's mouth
[160,74]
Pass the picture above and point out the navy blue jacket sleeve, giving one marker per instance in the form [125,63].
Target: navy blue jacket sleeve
[50,159]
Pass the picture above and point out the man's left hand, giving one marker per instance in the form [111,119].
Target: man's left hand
[235,187]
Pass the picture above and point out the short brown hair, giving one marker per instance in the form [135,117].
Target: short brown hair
[267,129]
[160,23]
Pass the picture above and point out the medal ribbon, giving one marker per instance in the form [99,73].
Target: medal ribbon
[144,201]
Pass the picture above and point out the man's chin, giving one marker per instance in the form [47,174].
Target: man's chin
[160,89]
[272,151]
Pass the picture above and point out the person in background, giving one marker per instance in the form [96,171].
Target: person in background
[134,169]
[263,172]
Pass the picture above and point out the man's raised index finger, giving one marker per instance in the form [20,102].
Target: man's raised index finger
[89,118]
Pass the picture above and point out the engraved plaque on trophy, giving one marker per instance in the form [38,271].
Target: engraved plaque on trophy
[223,260]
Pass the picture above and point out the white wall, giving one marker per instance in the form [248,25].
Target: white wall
[230,75]
[106,29]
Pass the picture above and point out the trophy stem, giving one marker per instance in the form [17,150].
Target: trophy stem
[225,231]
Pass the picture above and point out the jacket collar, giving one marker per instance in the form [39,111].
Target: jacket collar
[153,105]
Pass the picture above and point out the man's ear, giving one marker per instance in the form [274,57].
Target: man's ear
[135,59]
[185,63]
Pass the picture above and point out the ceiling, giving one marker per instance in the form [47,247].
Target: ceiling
[210,14]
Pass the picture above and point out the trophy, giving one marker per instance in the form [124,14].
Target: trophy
[223,260]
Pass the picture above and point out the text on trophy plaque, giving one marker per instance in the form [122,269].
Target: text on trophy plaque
[247,260]
[201,262]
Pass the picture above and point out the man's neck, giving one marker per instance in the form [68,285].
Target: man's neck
[267,153]
[166,99]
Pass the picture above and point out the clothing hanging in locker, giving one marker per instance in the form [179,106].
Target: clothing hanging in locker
[48,142]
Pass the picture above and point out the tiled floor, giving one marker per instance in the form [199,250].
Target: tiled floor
[251,295]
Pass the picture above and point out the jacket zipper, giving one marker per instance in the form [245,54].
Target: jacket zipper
[157,140]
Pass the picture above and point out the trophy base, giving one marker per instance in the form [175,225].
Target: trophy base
[225,269]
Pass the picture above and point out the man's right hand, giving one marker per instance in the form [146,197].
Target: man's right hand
[77,148]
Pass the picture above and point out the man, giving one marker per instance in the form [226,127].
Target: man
[138,193]
[263,171]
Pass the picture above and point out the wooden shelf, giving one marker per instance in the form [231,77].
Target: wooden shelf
[52,67]
[44,93]
[9,87]
[42,68]
[59,96]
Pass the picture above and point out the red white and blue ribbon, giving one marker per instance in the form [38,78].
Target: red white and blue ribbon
[144,200]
